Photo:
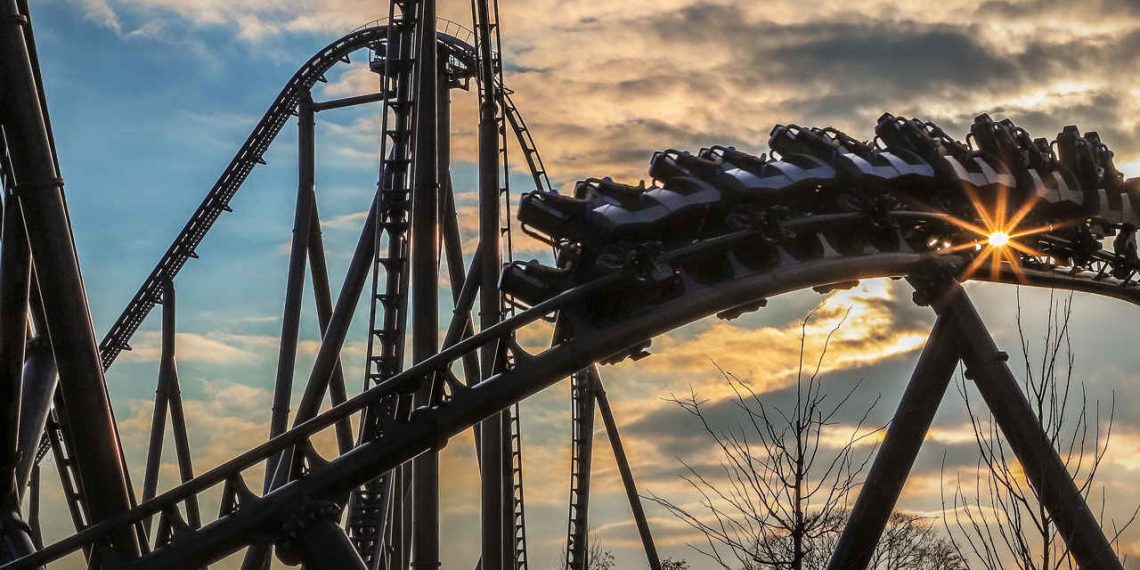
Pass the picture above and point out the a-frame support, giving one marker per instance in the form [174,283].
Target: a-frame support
[960,332]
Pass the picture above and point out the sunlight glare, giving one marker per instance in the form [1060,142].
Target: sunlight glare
[998,239]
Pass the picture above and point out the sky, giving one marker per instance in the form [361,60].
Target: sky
[151,98]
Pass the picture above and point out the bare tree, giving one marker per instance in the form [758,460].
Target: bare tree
[779,499]
[597,556]
[908,542]
[778,496]
[994,515]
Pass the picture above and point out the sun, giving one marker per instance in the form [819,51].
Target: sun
[998,236]
[998,239]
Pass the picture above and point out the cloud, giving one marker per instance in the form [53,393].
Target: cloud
[214,348]
[101,12]
[353,220]
[601,86]
[731,70]
[870,325]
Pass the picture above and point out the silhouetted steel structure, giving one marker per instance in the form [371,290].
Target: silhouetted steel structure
[722,231]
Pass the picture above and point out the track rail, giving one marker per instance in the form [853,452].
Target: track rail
[217,200]
[430,428]
[687,292]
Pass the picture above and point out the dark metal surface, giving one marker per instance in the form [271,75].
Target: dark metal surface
[491,450]
[896,455]
[425,278]
[582,403]
[1054,486]
[15,280]
[326,547]
[39,193]
[40,379]
[626,472]
[295,280]
[613,290]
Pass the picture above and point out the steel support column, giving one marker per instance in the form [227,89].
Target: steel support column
[39,193]
[171,386]
[295,285]
[449,229]
[327,356]
[15,275]
[15,280]
[986,365]
[425,274]
[900,447]
[329,352]
[626,473]
[491,429]
[581,467]
[168,397]
[40,379]
[161,398]
[322,295]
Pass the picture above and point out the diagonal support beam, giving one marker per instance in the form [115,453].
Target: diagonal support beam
[177,413]
[322,294]
[40,379]
[626,473]
[40,196]
[328,355]
[168,398]
[896,456]
[15,283]
[986,365]
[295,286]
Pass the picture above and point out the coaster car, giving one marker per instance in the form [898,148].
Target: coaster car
[856,163]
[794,180]
[1039,175]
[961,169]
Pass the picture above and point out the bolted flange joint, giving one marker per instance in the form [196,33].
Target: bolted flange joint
[934,281]
[289,548]
[999,357]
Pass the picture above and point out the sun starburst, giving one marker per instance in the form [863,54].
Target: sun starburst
[998,235]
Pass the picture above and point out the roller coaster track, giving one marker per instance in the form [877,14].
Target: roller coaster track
[581,450]
[455,39]
[217,200]
[737,282]
[250,155]
[609,303]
